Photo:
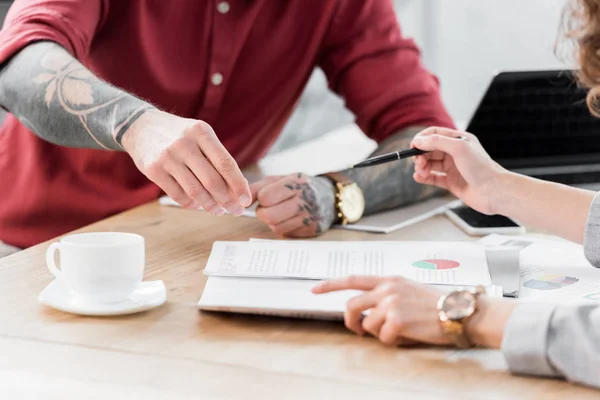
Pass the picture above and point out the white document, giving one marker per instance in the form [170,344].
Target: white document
[278,297]
[560,284]
[167,201]
[443,263]
[314,157]
[552,269]
[281,297]
[399,218]
[384,222]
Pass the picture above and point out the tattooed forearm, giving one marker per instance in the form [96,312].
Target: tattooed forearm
[322,194]
[391,185]
[315,194]
[62,102]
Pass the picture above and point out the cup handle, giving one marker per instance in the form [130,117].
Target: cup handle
[50,260]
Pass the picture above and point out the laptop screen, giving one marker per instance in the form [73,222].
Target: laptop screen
[537,119]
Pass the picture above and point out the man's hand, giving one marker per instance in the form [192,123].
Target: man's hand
[296,205]
[63,102]
[186,159]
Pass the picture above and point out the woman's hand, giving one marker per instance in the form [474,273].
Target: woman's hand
[402,312]
[457,162]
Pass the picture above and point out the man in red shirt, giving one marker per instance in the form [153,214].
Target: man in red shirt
[114,101]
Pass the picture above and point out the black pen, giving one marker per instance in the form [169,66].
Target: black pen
[386,158]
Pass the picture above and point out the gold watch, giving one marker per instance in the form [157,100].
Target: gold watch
[454,310]
[349,199]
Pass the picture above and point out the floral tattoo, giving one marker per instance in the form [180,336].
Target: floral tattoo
[63,102]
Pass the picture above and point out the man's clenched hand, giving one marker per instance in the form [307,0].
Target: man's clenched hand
[296,205]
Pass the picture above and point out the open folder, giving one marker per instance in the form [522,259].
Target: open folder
[275,277]
[289,298]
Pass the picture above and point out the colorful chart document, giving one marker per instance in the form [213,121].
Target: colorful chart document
[552,270]
[443,263]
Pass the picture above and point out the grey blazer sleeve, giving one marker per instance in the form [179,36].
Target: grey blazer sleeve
[591,241]
[559,340]
[556,341]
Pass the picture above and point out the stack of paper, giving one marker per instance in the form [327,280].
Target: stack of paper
[275,277]
[427,262]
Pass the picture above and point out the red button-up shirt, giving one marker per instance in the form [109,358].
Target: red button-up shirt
[239,65]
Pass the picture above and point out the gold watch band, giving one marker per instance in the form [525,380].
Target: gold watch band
[456,331]
[339,180]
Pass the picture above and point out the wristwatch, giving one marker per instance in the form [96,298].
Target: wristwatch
[349,199]
[454,310]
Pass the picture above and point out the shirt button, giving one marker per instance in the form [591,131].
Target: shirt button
[223,7]
[216,79]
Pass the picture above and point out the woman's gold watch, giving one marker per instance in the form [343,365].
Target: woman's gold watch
[454,310]
[349,199]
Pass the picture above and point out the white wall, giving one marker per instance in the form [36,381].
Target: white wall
[464,42]
[476,38]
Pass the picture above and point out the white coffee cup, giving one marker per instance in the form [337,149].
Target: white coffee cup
[103,267]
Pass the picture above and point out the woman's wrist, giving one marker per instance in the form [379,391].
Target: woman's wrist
[503,193]
[486,327]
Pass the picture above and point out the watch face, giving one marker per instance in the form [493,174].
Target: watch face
[352,202]
[458,305]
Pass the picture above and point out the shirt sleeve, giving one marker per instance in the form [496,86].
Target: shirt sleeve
[70,23]
[378,72]
[556,341]
[591,241]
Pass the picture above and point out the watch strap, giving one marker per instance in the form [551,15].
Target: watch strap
[455,330]
[339,181]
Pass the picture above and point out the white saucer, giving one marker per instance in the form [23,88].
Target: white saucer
[147,295]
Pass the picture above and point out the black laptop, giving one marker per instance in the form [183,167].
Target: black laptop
[537,123]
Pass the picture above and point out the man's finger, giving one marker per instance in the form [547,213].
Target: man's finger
[193,187]
[280,212]
[303,232]
[173,189]
[212,186]
[258,186]
[349,283]
[223,163]
[289,226]
[281,190]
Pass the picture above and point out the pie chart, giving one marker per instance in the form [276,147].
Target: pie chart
[550,282]
[436,264]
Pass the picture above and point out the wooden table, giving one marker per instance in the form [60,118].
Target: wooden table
[176,352]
